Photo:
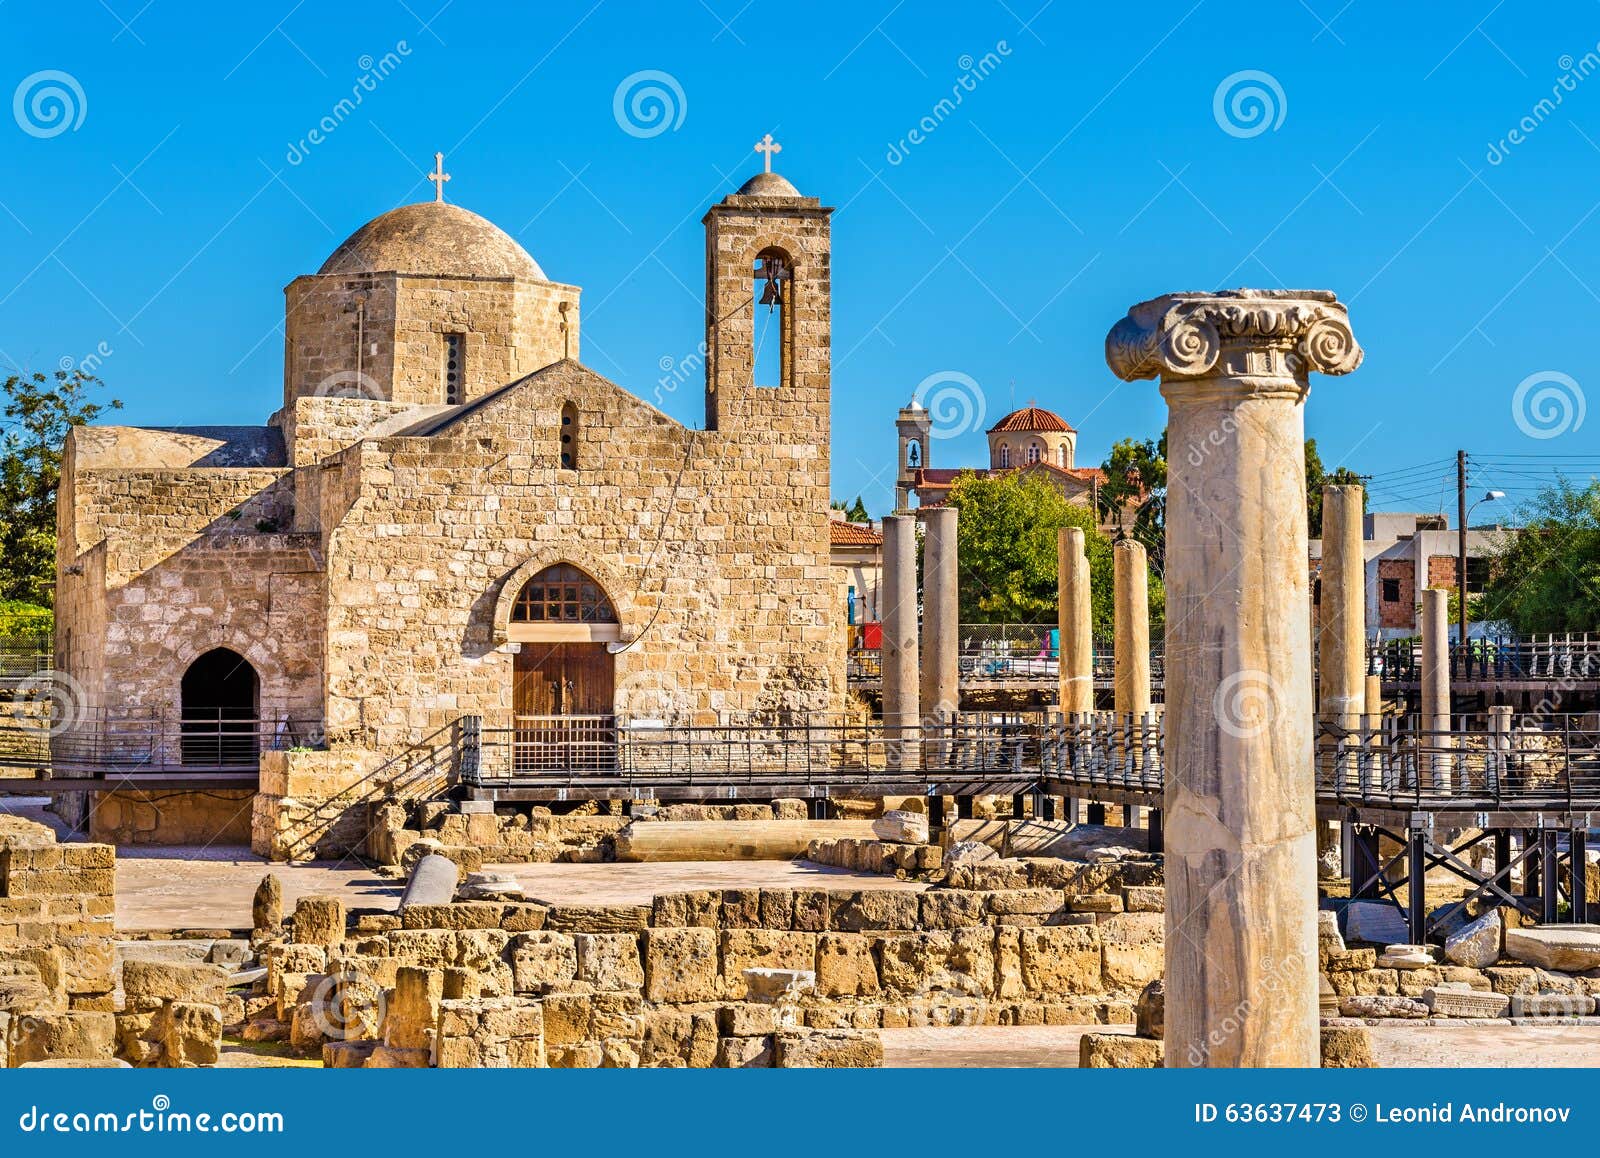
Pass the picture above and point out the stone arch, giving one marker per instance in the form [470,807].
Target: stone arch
[610,578]
[219,709]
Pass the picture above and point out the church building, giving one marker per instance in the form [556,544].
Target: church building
[1031,440]
[451,518]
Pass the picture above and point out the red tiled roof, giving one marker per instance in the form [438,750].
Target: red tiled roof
[853,535]
[1030,418]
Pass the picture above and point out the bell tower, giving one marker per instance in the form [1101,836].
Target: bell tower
[768,308]
[915,429]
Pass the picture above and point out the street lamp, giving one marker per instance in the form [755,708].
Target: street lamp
[1461,563]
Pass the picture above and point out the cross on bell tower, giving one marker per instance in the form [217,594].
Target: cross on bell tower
[438,176]
[768,146]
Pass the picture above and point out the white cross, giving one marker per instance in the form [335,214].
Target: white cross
[768,146]
[438,176]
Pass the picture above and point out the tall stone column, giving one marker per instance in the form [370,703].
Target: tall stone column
[941,614]
[1075,624]
[1131,601]
[1341,646]
[1436,686]
[1241,933]
[900,670]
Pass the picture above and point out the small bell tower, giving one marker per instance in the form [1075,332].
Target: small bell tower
[768,307]
[915,429]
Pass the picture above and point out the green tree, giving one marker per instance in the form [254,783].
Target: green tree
[1006,536]
[39,411]
[858,512]
[1317,478]
[1136,472]
[1545,574]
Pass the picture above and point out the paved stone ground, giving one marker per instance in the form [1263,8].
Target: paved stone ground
[186,889]
[1397,1047]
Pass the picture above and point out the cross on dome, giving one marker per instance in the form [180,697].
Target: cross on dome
[438,176]
[768,146]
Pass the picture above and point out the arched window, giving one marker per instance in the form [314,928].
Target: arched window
[771,288]
[455,369]
[1033,452]
[913,454]
[221,704]
[562,594]
[569,437]
[1061,456]
[1005,455]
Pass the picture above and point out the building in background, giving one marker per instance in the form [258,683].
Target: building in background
[1031,439]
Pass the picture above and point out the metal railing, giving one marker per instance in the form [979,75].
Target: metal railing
[102,748]
[551,750]
[1502,762]
[1105,750]
[23,657]
[1007,652]
[1536,658]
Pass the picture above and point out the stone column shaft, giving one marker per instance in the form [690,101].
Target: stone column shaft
[899,614]
[1436,684]
[1131,598]
[1075,624]
[941,614]
[1239,806]
[1342,628]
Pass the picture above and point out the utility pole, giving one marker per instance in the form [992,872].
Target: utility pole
[1461,542]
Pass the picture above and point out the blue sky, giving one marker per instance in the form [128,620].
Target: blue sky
[1086,169]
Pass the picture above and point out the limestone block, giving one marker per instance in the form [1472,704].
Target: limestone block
[1346,1047]
[845,966]
[1551,1005]
[871,909]
[609,960]
[147,984]
[967,852]
[1144,899]
[777,908]
[681,965]
[1406,957]
[1061,959]
[598,918]
[1450,1002]
[1329,940]
[700,909]
[1352,961]
[1476,944]
[460,915]
[1510,979]
[763,949]
[318,921]
[1378,1006]
[388,1057]
[347,1055]
[812,910]
[1107,1051]
[266,908]
[43,1036]
[677,1038]
[1567,948]
[432,881]
[829,1049]
[960,961]
[952,909]
[413,1010]
[1150,1010]
[901,827]
[745,1052]
[190,1034]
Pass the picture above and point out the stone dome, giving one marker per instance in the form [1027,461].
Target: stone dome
[432,238]
[768,185]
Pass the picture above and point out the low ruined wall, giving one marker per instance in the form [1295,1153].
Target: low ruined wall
[522,983]
[211,817]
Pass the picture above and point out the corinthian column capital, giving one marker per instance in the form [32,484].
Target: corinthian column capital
[1241,333]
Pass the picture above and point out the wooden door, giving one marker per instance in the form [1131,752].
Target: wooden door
[562,697]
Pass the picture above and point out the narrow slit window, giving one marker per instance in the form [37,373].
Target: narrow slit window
[455,365]
[569,437]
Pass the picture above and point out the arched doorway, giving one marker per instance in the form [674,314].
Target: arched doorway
[220,712]
[564,677]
